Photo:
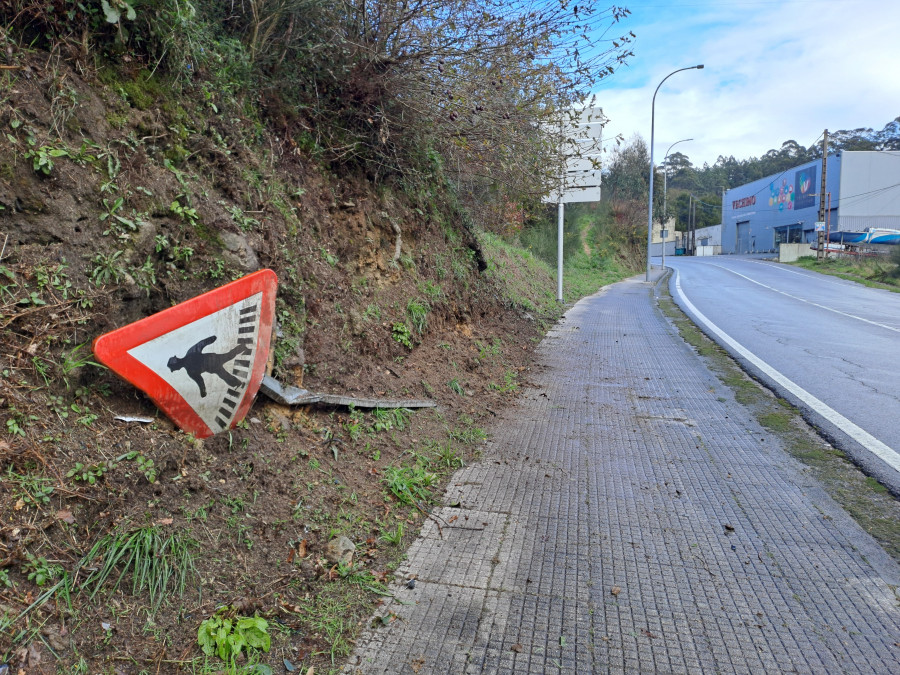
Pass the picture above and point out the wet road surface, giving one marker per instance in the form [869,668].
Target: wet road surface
[836,340]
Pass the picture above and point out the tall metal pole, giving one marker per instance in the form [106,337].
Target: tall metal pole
[652,130]
[559,249]
[665,217]
[560,206]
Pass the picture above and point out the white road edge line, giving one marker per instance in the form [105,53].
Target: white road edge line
[806,274]
[864,438]
[808,302]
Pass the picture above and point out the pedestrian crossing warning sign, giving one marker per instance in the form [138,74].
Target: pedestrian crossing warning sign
[201,361]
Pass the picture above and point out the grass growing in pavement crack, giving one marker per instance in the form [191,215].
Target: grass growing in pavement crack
[865,499]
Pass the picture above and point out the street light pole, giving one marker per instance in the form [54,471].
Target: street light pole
[665,190]
[652,129]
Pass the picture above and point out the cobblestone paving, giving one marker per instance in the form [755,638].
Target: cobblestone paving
[630,516]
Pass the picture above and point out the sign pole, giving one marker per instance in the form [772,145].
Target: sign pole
[559,250]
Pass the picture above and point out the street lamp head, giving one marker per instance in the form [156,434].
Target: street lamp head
[700,67]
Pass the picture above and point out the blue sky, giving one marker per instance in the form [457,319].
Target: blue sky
[774,71]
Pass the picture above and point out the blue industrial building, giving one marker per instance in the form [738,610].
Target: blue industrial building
[864,190]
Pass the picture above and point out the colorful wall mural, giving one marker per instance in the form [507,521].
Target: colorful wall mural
[805,187]
[782,197]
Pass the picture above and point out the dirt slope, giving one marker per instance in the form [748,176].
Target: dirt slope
[119,198]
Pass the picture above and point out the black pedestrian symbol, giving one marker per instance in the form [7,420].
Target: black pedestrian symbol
[196,363]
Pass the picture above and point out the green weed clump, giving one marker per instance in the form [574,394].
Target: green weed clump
[417,312]
[228,636]
[159,563]
[410,484]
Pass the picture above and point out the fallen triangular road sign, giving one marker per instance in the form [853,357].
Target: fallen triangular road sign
[201,361]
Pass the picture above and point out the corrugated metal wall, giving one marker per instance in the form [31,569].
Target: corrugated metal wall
[870,191]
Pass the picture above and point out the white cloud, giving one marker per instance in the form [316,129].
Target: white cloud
[773,72]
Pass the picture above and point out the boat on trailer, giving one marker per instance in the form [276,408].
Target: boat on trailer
[871,235]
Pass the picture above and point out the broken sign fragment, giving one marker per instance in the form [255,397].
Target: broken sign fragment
[288,395]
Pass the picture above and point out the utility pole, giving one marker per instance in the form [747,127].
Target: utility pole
[820,224]
[690,246]
[693,225]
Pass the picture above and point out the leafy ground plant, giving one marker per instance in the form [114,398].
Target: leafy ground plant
[227,636]
[401,333]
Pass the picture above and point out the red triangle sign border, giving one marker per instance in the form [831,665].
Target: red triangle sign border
[112,349]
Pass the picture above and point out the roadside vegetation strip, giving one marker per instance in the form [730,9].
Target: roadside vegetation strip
[598,249]
[864,498]
[857,433]
[881,272]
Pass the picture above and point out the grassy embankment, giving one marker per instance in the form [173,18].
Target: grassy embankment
[876,272]
[596,250]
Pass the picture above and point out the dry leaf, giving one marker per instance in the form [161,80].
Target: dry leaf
[164,521]
[65,516]
[20,503]
[517,648]
[301,548]
[615,590]
[453,518]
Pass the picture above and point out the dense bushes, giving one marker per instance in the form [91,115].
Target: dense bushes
[367,85]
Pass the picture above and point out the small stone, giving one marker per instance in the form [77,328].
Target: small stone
[340,549]
[411,584]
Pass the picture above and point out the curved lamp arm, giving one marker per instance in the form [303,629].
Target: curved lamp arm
[650,198]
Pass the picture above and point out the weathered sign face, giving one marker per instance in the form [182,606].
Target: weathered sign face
[201,361]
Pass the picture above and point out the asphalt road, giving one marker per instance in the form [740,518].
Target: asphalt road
[830,346]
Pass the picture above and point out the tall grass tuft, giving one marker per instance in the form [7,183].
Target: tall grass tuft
[159,563]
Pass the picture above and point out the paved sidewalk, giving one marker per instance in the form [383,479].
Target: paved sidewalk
[630,516]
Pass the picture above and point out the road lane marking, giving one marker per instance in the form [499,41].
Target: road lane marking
[806,274]
[858,434]
[808,302]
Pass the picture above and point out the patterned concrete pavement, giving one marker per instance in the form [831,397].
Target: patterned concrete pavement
[630,516]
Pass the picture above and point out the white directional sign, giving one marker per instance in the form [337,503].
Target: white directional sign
[581,144]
